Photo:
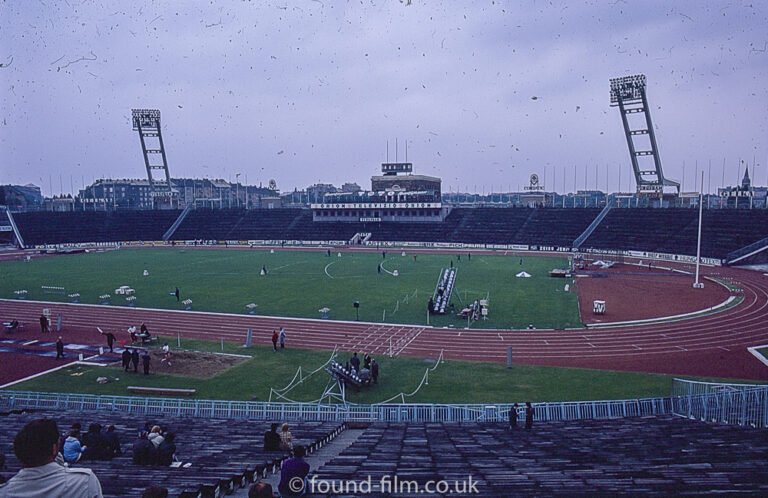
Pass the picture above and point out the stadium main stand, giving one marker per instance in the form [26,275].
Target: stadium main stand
[668,230]
[42,227]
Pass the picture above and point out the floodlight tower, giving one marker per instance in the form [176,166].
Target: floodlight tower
[147,123]
[629,94]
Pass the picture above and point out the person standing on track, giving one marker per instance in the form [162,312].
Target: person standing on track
[110,339]
[43,324]
[274,340]
[59,348]
[282,338]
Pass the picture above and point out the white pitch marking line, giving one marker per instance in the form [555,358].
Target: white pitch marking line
[681,348]
[752,350]
[498,334]
[592,345]
[326,269]
[724,349]
[637,347]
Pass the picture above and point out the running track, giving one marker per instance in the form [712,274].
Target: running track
[713,345]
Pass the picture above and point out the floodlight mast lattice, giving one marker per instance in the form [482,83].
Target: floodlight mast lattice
[628,93]
[147,123]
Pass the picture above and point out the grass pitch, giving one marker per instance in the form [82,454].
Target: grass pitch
[299,283]
[453,381]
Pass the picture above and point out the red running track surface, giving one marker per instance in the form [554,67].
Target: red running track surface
[712,345]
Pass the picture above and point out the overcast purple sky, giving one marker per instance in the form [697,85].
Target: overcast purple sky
[310,91]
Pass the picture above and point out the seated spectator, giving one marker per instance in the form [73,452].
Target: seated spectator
[155,436]
[98,447]
[63,436]
[144,452]
[260,489]
[293,468]
[73,450]
[166,450]
[113,442]
[36,446]
[155,492]
[286,440]
[272,439]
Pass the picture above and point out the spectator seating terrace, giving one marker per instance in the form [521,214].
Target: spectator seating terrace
[43,227]
[636,456]
[674,230]
[670,230]
[224,453]
[640,229]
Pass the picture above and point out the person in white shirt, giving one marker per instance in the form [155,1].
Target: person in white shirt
[155,436]
[36,446]
[166,354]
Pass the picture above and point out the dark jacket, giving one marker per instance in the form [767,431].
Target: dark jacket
[114,443]
[98,446]
[271,441]
[165,453]
[135,358]
[144,452]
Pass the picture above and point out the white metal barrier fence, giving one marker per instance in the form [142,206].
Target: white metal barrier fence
[401,412]
[740,404]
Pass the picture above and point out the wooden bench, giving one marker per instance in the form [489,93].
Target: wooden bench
[161,390]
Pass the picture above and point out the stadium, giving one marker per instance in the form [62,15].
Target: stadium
[638,332]
[195,336]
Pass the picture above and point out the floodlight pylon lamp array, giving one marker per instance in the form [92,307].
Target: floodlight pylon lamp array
[145,119]
[627,89]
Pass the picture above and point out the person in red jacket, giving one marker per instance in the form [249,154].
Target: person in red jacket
[274,340]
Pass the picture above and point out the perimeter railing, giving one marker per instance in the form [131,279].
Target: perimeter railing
[739,404]
[405,412]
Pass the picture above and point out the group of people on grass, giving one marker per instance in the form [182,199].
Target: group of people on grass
[369,373]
